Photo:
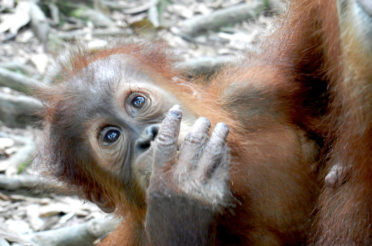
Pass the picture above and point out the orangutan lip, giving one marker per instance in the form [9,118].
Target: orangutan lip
[147,180]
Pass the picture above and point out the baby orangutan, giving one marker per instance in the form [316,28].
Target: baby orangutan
[113,132]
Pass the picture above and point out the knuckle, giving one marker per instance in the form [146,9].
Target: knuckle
[194,139]
[213,149]
[167,134]
[216,144]
[212,155]
[168,127]
[171,120]
[165,140]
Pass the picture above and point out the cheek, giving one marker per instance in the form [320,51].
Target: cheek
[111,159]
[116,158]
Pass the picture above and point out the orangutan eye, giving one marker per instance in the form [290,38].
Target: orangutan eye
[110,135]
[138,102]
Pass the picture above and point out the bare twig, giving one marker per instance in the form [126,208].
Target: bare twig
[79,235]
[19,111]
[204,66]
[18,182]
[76,34]
[14,65]
[18,82]
[54,12]
[39,22]
[98,18]
[219,18]
[228,16]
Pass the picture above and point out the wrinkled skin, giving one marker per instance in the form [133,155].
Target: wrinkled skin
[200,173]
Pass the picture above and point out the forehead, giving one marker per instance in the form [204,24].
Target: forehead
[93,90]
[112,70]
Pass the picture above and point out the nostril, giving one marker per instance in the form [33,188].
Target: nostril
[144,141]
[154,129]
[144,145]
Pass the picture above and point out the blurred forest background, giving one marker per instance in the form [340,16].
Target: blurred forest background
[35,35]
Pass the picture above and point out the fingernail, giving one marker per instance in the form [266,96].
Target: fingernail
[202,122]
[222,128]
[176,112]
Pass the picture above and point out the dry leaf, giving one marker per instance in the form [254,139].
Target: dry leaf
[13,22]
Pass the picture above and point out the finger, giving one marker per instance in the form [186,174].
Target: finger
[214,152]
[166,141]
[222,170]
[335,176]
[193,143]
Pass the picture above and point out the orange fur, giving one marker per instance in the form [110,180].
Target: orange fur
[344,216]
[310,50]
[258,115]
[329,42]
[295,110]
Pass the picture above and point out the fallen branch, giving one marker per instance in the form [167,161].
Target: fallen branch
[14,65]
[204,66]
[19,111]
[18,182]
[98,18]
[18,81]
[80,235]
[34,185]
[76,34]
[39,22]
[200,24]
